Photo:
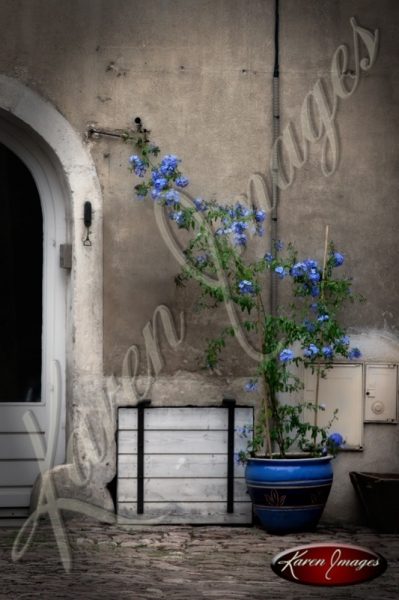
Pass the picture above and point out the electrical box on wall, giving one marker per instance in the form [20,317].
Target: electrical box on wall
[342,389]
[381,393]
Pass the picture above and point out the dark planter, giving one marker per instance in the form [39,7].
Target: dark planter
[289,495]
[379,496]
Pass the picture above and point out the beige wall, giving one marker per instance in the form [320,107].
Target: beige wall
[198,72]
[199,75]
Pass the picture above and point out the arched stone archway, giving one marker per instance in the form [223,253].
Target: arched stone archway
[66,178]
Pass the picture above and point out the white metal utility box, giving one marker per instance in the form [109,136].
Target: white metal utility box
[342,389]
[178,465]
[381,393]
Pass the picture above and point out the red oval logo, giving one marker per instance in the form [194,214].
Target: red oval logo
[328,564]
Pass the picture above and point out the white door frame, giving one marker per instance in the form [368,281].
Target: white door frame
[53,290]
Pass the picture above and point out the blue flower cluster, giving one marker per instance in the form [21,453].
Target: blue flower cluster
[310,327]
[246,287]
[311,351]
[162,180]
[245,431]
[308,274]
[323,318]
[354,353]
[235,220]
[181,181]
[169,164]
[201,260]
[260,216]
[239,227]
[281,272]
[239,210]
[159,182]
[286,355]
[171,197]
[251,385]
[327,352]
[178,217]
[305,273]
[200,205]
[338,259]
[138,165]
[336,439]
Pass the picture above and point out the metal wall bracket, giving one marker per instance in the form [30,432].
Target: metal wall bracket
[66,256]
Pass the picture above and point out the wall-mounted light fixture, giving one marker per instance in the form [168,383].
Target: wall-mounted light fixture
[87,219]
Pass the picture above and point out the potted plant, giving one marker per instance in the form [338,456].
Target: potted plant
[304,333]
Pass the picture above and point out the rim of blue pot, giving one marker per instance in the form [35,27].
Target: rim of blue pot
[295,457]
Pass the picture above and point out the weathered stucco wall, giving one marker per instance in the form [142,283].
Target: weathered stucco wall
[198,73]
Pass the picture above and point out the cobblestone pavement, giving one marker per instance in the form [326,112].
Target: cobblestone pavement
[177,562]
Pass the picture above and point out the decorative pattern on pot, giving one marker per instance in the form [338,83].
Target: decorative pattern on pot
[289,494]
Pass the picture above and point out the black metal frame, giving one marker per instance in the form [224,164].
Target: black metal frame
[140,454]
[229,404]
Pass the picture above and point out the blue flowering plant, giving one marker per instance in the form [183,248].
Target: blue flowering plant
[305,332]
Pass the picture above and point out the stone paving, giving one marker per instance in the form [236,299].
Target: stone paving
[177,562]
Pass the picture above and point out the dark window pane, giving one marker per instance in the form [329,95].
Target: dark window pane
[21,251]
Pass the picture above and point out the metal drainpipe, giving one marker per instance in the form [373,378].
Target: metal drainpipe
[276,133]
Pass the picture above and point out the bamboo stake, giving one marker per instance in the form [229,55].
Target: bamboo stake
[264,391]
[268,448]
[325,258]
[322,291]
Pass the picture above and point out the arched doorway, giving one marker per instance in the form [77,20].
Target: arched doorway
[33,320]
[71,354]
[21,251]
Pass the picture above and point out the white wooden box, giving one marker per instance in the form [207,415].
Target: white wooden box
[185,466]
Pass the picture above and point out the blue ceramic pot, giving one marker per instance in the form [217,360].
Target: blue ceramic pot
[289,494]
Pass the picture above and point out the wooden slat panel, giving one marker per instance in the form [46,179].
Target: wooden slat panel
[174,442]
[177,465]
[127,465]
[18,472]
[186,418]
[176,418]
[244,415]
[181,490]
[127,418]
[185,465]
[127,442]
[18,445]
[15,497]
[187,512]
[179,442]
